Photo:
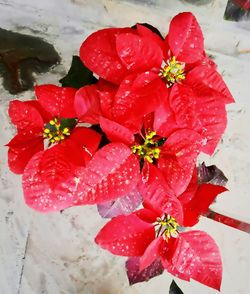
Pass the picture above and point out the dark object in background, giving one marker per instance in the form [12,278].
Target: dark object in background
[198,2]
[174,289]
[20,56]
[237,10]
[78,75]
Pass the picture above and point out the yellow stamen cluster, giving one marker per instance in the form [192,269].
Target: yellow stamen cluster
[54,132]
[149,149]
[166,227]
[173,71]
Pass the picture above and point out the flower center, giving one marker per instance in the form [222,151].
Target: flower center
[173,71]
[57,130]
[149,150]
[166,227]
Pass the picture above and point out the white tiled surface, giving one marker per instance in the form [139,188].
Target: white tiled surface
[55,253]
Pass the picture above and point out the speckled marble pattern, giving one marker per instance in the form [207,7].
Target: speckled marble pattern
[55,253]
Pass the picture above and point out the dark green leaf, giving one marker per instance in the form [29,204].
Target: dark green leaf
[161,141]
[151,28]
[235,12]
[174,289]
[68,123]
[78,76]
[104,140]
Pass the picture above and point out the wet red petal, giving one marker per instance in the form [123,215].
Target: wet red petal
[204,114]
[58,101]
[185,38]
[107,92]
[25,116]
[147,215]
[182,101]
[178,157]
[54,166]
[189,193]
[98,53]
[150,254]
[212,116]
[44,114]
[138,54]
[135,92]
[21,149]
[86,138]
[126,235]
[144,32]
[200,202]
[87,104]
[173,271]
[165,121]
[112,173]
[158,196]
[38,193]
[116,132]
[197,256]
[81,145]
[206,78]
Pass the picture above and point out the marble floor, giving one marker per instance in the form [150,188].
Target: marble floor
[55,253]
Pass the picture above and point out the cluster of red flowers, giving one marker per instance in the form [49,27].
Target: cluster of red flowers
[156,105]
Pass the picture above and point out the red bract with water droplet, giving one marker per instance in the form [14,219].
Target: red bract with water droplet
[197,198]
[177,156]
[124,105]
[112,173]
[200,112]
[189,255]
[148,69]
[186,207]
[114,53]
[53,180]
[31,118]
[192,255]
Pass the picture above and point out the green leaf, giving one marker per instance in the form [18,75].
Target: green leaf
[78,75]
[151,28]
[174,289]
[68,123]
[235,10]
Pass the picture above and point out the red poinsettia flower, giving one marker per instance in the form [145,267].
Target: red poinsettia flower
[50,120]
[148,68]
[113,54]
[156,233]
[173,149]
[114,170]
